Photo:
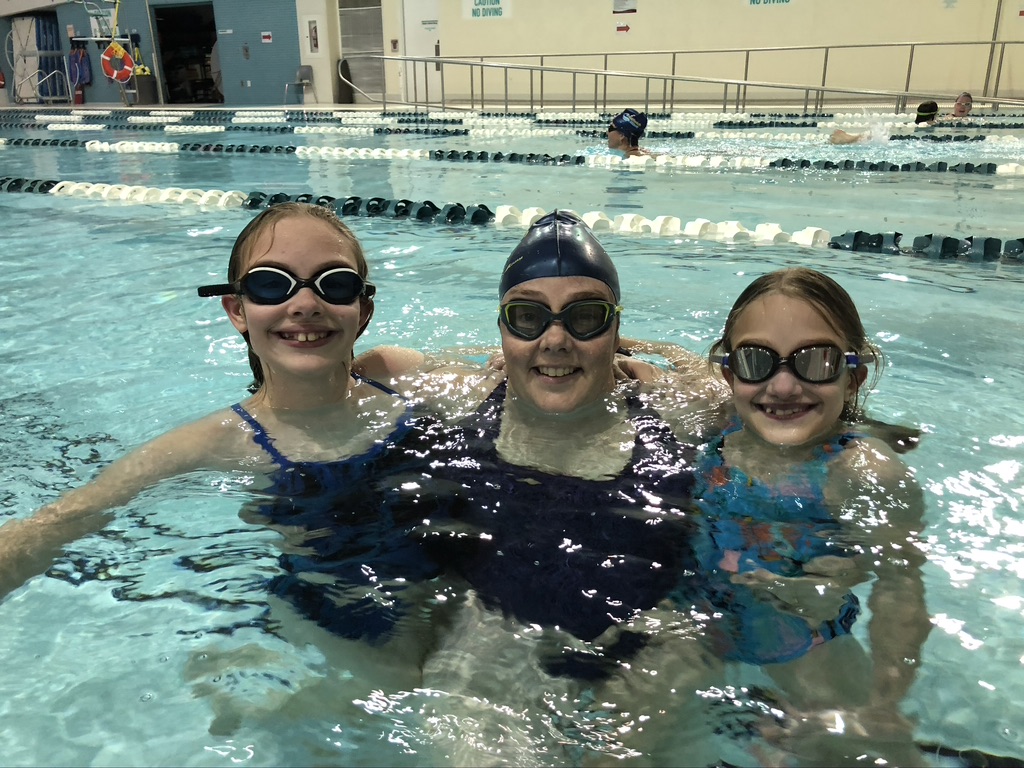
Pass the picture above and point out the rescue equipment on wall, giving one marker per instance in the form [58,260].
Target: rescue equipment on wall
[117,63]
[140,66]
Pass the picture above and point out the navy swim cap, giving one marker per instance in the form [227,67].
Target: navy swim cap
[630,123]
[926,112]
[559,245]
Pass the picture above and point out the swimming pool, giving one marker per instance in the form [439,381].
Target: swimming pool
[150,643]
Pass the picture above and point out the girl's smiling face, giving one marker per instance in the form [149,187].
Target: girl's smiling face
[304,335]
[784,410]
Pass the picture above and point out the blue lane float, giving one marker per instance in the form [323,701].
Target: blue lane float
[932,246]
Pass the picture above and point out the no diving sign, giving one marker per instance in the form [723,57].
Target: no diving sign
[486,9]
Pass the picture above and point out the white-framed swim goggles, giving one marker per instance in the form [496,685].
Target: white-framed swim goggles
[273,285]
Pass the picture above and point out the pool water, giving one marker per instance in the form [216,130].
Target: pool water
[155,642]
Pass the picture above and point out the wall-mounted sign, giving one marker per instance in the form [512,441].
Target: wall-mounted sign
[486,9]
[266,37]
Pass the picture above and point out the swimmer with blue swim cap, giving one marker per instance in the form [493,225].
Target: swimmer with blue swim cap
[558,316]
[626,130]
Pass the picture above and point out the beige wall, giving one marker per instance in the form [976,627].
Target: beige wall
[589,27]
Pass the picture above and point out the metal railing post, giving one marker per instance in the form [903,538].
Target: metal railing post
[672,101]
[999,74]
[819,97]
[542,82]
[746,76]
[505,70]
[604,92]
[910,72]
[992,47]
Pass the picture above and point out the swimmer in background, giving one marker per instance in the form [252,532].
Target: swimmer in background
[625,131]
[926,114]
[961,113]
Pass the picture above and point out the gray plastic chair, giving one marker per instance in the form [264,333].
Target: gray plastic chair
[303,80]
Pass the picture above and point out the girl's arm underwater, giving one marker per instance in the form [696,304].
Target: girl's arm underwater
[28,546]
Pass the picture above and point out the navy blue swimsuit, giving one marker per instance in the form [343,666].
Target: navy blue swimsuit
[559,551]
[368,556]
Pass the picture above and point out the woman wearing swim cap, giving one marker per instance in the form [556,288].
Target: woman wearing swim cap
[559,498]
[625,131]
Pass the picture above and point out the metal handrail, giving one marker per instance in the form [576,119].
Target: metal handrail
[912,46]
[899,99]
[56,75]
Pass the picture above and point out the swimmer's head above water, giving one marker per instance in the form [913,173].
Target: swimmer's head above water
[926,112]
[631,124]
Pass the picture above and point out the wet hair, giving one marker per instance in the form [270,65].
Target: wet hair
[926,111]
[631,124]
[559,244]
[965,93]
[834,305]
[245,243]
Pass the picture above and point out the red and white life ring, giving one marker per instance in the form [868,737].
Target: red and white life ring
[117,63]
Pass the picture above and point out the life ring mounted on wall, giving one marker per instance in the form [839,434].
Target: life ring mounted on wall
[117,63]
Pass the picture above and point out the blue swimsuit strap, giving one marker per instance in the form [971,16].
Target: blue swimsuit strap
[266,442]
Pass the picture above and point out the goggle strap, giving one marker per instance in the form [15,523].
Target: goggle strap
[224,289]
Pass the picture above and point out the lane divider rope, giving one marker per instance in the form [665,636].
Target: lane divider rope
[972,248]
[604,160]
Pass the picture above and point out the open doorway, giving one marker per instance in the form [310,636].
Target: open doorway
[187,35]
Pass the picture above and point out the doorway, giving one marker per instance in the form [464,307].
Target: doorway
[186,36]
[421,82]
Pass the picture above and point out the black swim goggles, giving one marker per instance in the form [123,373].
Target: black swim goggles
[273,285]
[816,364]
[582,319]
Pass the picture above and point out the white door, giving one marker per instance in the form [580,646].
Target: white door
[26,62]
[421,83]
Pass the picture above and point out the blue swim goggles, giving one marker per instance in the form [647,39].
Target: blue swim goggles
[816,364]
[582,319]
[273,285]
